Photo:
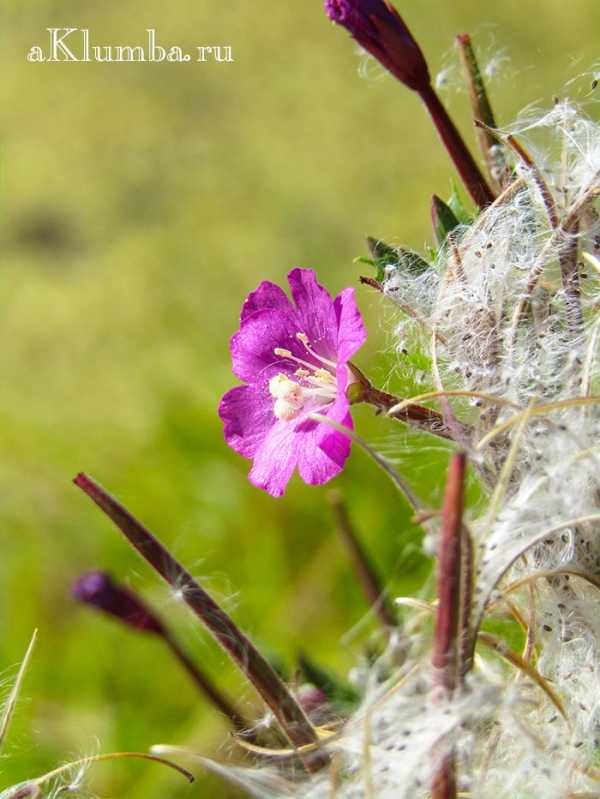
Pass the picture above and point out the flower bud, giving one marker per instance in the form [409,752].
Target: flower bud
[381,31]
[99,589]
[314,702]
[25,790]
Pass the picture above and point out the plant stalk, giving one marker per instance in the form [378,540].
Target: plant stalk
[470,173]
[257,669]
[446,646]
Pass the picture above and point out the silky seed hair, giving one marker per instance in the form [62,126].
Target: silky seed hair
[502,327]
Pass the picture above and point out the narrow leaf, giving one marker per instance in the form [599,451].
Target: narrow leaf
[11,702]
[443,218]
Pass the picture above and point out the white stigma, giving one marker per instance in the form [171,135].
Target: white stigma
[289,397]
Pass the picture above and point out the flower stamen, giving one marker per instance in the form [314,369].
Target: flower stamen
[290,396]
[283,353]
[303,338]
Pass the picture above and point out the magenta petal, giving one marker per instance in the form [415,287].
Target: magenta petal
[267,295]
[336,446]
[352,333]
[247,414]
[253,346]
[333,442]
[315,464]
[316,314]
[275,460]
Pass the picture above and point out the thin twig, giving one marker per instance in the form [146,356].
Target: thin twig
[498,646]
[569,271]
[538,178]
[51,775]
[567,255]
[557,240]
[383,464]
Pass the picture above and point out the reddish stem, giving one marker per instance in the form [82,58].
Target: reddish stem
[463,160]
[465,635]
[446,645]
[449,576]
[420,416]
[259,671]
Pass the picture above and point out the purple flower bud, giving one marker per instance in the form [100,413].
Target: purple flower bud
[99,589]
[26,790]
[380,30]
[313,701]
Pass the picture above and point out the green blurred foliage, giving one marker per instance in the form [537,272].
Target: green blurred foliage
[140,203]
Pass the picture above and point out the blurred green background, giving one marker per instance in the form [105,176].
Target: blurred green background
[140,204]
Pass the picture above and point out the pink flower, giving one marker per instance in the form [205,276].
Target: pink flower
[293,359]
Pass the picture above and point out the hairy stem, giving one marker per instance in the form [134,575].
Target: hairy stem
[446,643]
[259,671]
[418,415]
[570,278]
[445,651]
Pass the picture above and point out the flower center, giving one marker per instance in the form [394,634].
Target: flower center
[315,383]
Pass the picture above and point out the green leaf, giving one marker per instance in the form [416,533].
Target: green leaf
[508,630]
[401,258]
[444,219]
[458,208]
[383,255]
[360,259]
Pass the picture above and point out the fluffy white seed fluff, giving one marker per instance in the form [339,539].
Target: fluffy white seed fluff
[521,341]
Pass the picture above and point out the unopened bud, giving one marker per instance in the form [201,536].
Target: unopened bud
[26,790]
[381,31]
[99,589]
